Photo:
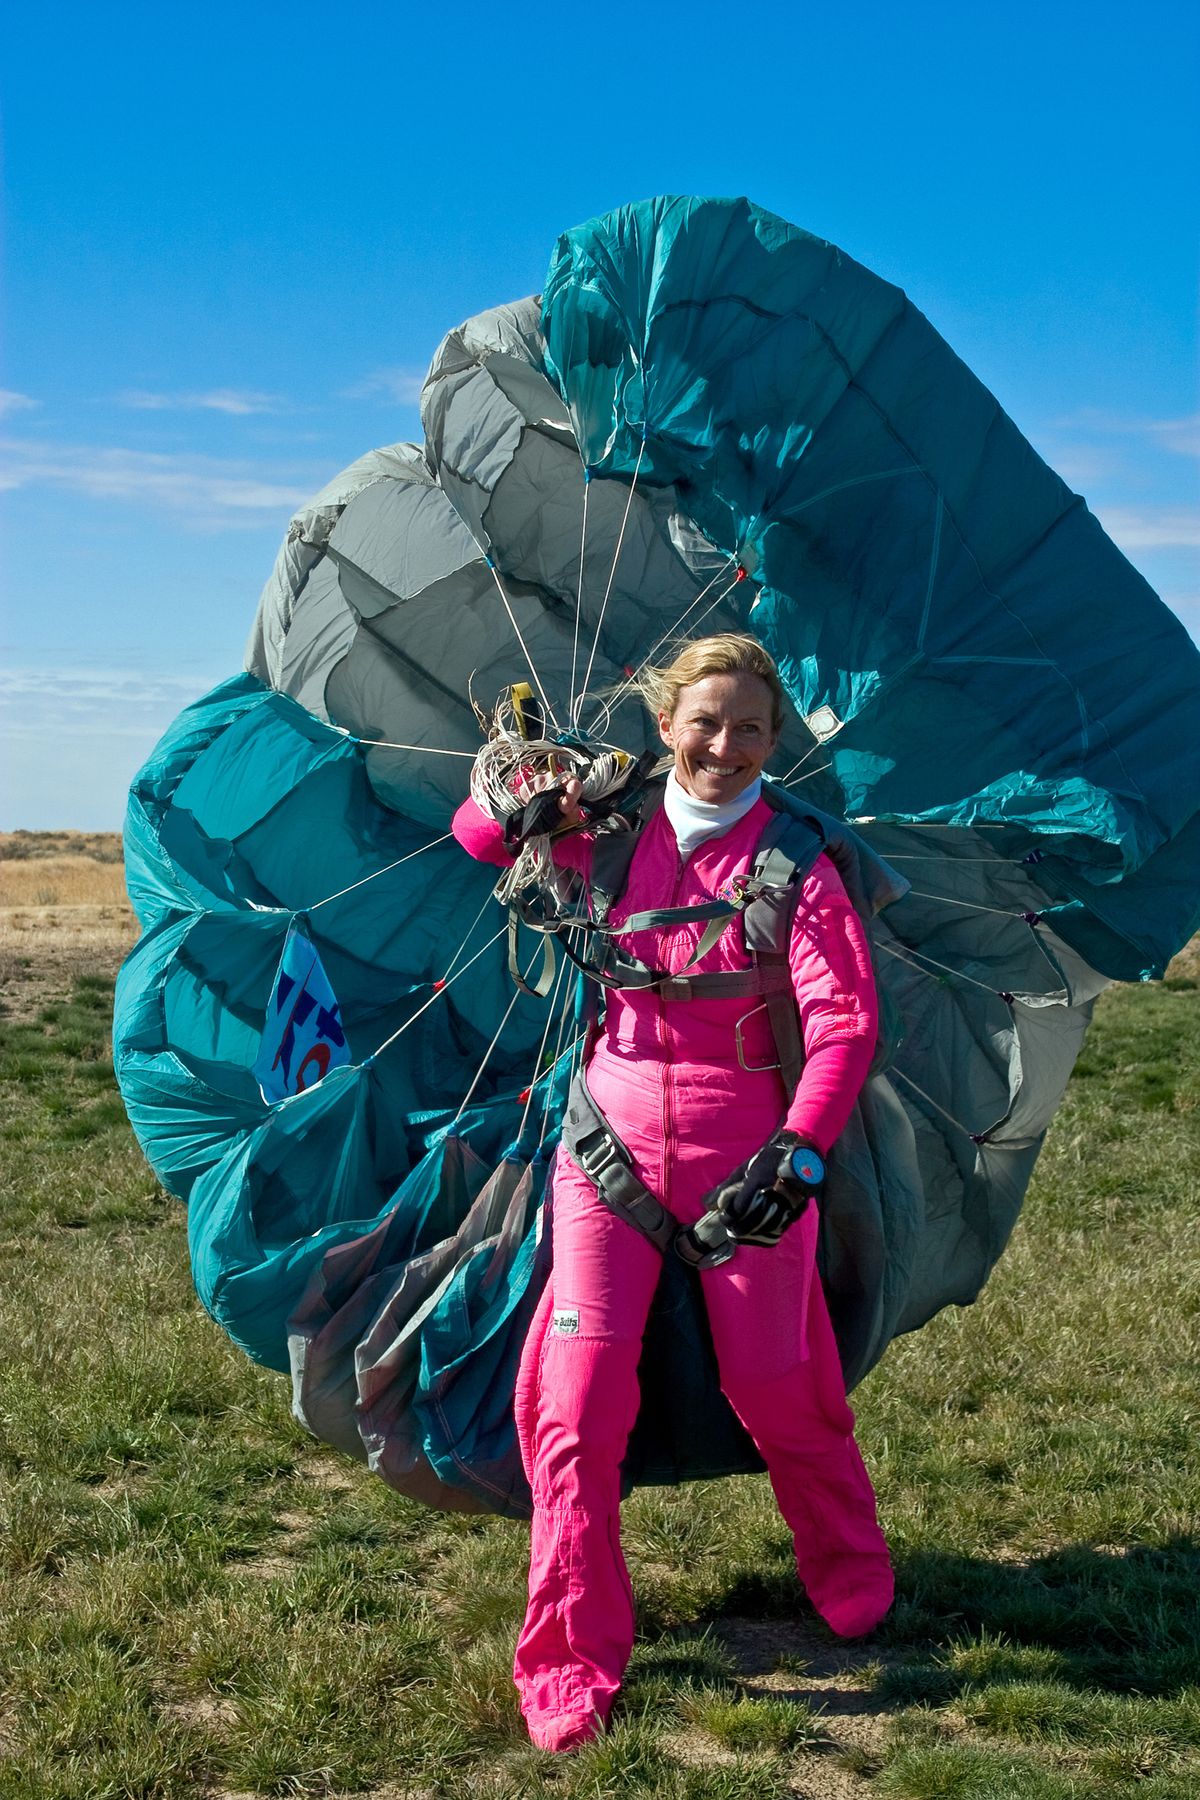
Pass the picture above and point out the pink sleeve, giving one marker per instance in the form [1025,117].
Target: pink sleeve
[480,837]
[483,838]
[839,1011]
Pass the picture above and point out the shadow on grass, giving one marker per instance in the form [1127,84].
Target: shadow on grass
[1090,1616]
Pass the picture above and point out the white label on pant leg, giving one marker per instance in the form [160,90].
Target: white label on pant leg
[566,1324]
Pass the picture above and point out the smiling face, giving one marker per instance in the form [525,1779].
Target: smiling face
[721,733]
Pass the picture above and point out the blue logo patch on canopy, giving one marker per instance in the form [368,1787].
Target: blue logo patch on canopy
[303,1038]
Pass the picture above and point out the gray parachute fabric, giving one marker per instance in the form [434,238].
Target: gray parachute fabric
[710,421]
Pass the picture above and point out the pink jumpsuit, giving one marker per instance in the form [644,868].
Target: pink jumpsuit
[668,1078]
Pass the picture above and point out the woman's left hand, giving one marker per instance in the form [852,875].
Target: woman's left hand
[761,1200]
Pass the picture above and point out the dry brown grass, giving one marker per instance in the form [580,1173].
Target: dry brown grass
[63,913]
[64,881]
[27,846]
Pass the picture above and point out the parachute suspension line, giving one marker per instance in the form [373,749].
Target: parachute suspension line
[528,1093]
[558,1049]
[932,824]
[612,575]
[957,974]
[439,988]
[487,900]
[976,1137]
[376,873]
[730,563]
[487,1055]
[587,489]
[997,862]
[630,679]
[812,773]
[933,563]
[811,751]
[387,744]
[512,619]
[1001,912]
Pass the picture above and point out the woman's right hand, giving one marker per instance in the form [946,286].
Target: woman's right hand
[569,798]
[569,804]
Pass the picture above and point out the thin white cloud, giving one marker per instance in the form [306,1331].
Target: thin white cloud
[64,684]
[399,385]
[1152,528]
[1082,466]
[11,401]
[206,491]
[237,402]
[56,702]
[1180,435]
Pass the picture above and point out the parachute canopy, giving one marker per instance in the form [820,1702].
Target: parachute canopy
[711,420]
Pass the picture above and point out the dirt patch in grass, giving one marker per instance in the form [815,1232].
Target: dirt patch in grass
[797,1661]
[44,951]
[325,1472]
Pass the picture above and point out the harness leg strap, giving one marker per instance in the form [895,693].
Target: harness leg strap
[594,1146]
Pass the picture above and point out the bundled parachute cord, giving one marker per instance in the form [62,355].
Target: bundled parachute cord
[587,489]
[509,777]
[440,987]
[978,1138]
[612,575]
[376,873]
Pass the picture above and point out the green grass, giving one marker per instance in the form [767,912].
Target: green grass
[197,1600]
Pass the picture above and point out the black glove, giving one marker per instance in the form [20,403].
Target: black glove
[762,1199]
[540,816]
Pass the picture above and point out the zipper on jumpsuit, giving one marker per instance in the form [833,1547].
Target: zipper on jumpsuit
[664,1040]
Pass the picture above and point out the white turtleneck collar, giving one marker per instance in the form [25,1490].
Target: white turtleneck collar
[695,821]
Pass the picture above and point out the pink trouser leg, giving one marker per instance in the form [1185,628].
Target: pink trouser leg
[781,1373]
[577,1402]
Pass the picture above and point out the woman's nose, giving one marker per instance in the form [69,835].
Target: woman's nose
[721,743]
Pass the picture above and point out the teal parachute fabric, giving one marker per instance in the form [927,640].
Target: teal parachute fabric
[711,421]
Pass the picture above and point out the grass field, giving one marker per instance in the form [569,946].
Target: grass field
[198,1600]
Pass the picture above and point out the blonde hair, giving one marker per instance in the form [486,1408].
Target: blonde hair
[728,653]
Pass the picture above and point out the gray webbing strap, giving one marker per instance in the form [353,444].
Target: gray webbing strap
[782,1017]
[594,1146]
[545,980]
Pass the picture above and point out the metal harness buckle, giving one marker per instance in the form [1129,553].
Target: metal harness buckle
[597,1153]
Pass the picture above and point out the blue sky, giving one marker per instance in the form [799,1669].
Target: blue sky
[233,236]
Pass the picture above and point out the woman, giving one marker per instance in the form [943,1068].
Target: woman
[694,1092]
